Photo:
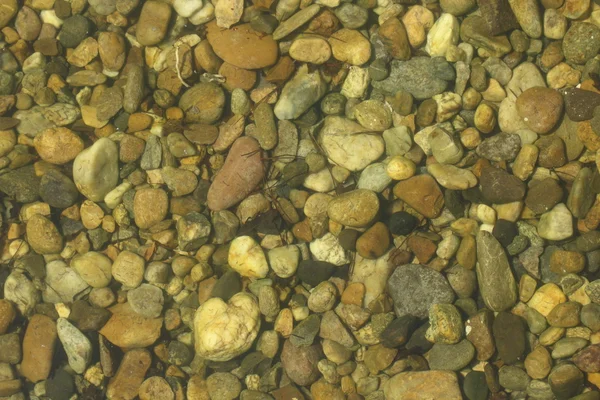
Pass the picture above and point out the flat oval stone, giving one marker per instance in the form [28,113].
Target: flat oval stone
[452,177]
[356,208]
[153,22]
[242,46]
[242,172]
[452,357]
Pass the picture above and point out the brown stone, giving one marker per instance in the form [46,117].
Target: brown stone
[422,193]
[498,16]
[538,363]
[353,294]
[242,46]
[281,71]
[300,363]
[131,148]
[150,206]
[7,315]
[541,108]
[551,152]
[130,375]
[127,329]
[588,359]
[565,315]
[152,25]
[242,172]
[38,348]
[564,262]
[201,133]
[322,390]
[393,34]
[237,77]
[287,392]
[374,242]
[205,58]
[324,23]
[43,236]
[58,145]
[479,333]
[378,358]
[111,47]
[586,134]
[423,248]
[27,23]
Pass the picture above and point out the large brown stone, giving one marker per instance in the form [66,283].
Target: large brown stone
[130,375]
[128,329]
[242,172]
[242,46]
[38,348]
[541,108]
[153,23]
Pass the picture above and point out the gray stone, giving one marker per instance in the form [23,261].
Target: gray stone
[300,93]
[414,288]
[74,30]
[77,346]
[453,357]
[496,281]
[21,184]
[422,77]
[58,190]
[513,378]
[500,147]
[146,300]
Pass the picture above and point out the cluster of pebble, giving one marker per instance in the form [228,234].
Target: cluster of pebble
[300,199]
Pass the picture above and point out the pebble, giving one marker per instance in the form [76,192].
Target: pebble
[540,108]
[452,177]
[244,156]
[243,46]
[313,50]
[58,145]
[128,329]
[500,187]
[422,193]
[414,288]
[451,357]
[556,224]
[496,281]
[235,324]
[146,300]
[299,94]
[76,345]
[341,138]
[9,10]
[300,363]
[153,22]
[95,169]
[38,348]
[443,34]
[422,77]
[355,209]
[295,21]
[130,375]
[94,268]
[150,206]
[203,103]
[247,257]
[578,43]
[432,384]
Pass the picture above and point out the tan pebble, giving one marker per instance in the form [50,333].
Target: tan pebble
[150,206]
[400,168]
[374,242]
[91,214]
[527,286]
[546,298]
[350,46]
[485,118]
[311,49]
[58,145]
[524,164]
[470,138]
